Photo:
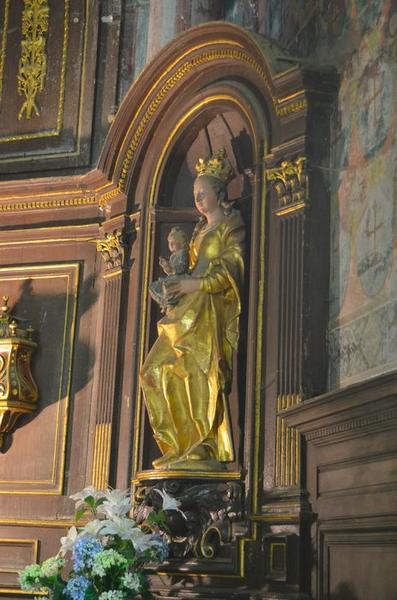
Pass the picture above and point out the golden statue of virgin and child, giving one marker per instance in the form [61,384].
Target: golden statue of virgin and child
[186,377]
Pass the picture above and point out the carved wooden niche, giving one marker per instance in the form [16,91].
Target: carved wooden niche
[218,85]
[221,125]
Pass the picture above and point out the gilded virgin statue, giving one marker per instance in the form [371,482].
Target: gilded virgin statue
[186,377]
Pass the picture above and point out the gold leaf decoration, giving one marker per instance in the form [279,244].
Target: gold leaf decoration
[3,46]
[33,61]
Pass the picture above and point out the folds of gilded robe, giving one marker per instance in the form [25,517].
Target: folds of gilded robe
[187,374]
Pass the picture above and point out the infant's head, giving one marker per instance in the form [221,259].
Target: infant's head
[177,239]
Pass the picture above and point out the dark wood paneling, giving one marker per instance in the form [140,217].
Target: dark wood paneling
[352,480]
[357,564]
[15,553]
[46,295]
[51,282]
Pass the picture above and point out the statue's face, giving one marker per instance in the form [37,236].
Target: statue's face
[174,244]
[205,197]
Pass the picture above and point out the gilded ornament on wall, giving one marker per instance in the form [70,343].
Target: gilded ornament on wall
[18,390]
[112,249]
[33,61]
[290,184]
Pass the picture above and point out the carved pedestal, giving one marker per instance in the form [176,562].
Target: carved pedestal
[201,515]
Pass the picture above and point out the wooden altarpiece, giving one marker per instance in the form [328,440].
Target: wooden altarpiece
[218,85]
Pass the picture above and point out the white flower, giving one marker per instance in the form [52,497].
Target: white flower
[80,497]
[92,528]
[170,503]
[68,542]
[117,503]
[118,526]
[142,541]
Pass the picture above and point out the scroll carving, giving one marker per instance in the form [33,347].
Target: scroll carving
[200,517]
[290,184]
[33,60]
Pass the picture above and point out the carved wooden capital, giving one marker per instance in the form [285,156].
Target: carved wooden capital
[112,249]
[289,182]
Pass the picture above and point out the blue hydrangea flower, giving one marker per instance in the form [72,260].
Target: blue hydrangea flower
[84,551]
[76,587]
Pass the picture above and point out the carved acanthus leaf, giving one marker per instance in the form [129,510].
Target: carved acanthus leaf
[112,249]
[289,182]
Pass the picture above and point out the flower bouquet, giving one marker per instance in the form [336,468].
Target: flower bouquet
[104,559]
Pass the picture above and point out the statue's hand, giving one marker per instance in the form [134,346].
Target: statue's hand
[165,265]
[181,287]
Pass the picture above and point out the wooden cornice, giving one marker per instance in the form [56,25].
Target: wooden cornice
[355,410]
[61,198]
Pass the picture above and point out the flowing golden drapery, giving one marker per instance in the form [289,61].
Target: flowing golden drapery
[187,374]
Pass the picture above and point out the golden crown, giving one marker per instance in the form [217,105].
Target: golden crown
[217,165]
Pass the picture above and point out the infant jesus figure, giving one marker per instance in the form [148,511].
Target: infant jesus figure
[175,267]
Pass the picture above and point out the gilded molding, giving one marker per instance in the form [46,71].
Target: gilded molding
[100,467]
[151,475]
[32,66]
[52,203]
[184,69]
[291,209]
[63,66]
[290,185]
[112,249]
[37,523]
[3,46]
[287,459]
[104,199]
[292,108]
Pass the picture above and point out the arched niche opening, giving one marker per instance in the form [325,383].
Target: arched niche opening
[221,125]
[225,115]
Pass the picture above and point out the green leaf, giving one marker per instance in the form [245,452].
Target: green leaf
[90,594]
[79,513]
[90,500]
[157,518]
